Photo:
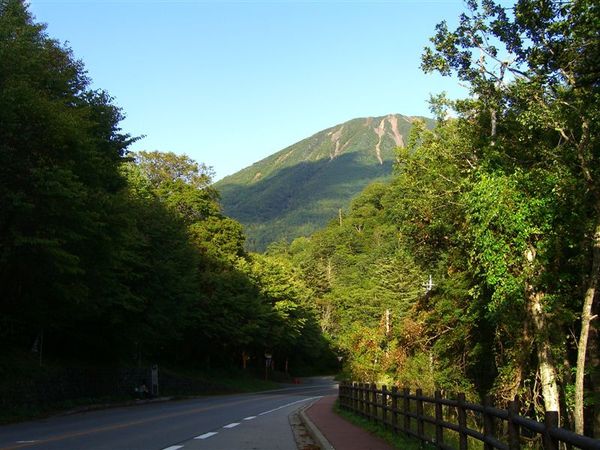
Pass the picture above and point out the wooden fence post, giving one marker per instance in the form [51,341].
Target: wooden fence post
[462,422]
[395,409]
[374,402]
[406,406]
[367,398]
[420,422]
[550,422]
[514,431]
[355,396]
[360,405]
[439,417]
[349,393]
[384,401]
[488,422]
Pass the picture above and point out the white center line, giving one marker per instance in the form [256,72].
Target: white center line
[232,425]
[289,404]
[250,418]
[173,447]
[206,435]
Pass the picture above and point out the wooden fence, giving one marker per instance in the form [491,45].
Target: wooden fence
[447,421]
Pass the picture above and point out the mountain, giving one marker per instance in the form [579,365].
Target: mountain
[300,188]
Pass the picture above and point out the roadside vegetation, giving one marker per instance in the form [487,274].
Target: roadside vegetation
[116,259]
[476,268]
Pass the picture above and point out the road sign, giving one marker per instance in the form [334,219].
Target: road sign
[154,389]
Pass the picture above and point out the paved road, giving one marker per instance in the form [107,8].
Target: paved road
[232,422]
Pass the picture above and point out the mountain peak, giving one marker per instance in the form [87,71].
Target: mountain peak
[298,189]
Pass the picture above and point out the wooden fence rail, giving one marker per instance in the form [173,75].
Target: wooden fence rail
[496,428]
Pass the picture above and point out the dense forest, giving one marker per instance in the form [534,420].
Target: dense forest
[476,268]
[113,257]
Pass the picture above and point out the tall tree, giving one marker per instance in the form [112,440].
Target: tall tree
[60,149]
[181,183]
[533,74]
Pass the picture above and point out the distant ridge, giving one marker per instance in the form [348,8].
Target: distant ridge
[299,189]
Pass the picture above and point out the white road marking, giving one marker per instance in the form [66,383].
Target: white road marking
[289,404]
[250,418]
[232,425]
[173,447]
[206,435]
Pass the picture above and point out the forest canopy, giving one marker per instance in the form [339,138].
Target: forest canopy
[499,207]
[120,257]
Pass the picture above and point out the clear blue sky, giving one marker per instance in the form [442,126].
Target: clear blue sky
[230,83]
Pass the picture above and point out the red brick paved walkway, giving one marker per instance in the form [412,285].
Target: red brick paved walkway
[339,432]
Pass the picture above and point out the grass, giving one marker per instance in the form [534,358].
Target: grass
[398,441]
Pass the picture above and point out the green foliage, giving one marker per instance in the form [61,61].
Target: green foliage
[499,205]
[297,190]
[535,201]
[60,149]
[118,258]
[182,184]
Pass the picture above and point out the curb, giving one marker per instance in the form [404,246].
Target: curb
[312,429]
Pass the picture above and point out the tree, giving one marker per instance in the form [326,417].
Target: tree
[159,266]
[533,75]
[118,257]
[60,150]
[181,183]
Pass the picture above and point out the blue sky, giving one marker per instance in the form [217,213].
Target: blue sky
[230,83]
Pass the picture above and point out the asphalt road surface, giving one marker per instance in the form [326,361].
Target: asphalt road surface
[232,422]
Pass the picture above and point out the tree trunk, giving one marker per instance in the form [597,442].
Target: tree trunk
[586,318]
[544,356]
[593,361]
[541,339]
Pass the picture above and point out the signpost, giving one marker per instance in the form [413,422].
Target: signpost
[268,361]
[154,389]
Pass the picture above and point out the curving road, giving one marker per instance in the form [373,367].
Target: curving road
[239,422]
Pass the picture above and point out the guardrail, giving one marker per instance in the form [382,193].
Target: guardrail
[496,428]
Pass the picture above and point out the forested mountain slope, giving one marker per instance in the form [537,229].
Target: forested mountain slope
[300,188]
